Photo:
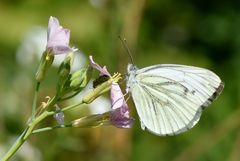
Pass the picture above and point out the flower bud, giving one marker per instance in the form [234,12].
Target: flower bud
[80,78]
[64,72]
[59,115]
[65,67]
[96,92]
[92,120]
[45,63]
[100,89]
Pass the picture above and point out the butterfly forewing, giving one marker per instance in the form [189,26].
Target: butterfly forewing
[170,98]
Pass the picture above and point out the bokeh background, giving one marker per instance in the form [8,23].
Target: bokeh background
[204,33]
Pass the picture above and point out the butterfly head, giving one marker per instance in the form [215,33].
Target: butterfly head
[131,68]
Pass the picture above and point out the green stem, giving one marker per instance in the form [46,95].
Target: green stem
[68,97]
[49,104]
[35,100]
[30,129]
[50,128]
[36,121]
[15,146]
[52,102]
[58,126]
[24,136]
[72,106]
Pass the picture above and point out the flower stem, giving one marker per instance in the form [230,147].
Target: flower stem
[50,128]
[35,121]
[35,100]
[15,146]
[24,136]
[72,106]
[68,97]
[30,129]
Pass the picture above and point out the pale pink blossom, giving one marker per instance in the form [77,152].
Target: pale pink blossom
[57,37]
[102,70]
[119,115]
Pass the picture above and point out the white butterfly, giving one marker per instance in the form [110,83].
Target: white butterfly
[169,98]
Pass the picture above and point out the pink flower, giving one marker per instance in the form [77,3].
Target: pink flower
[119,115]
[103,71]
[58,37]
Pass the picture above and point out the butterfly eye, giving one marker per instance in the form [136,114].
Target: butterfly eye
[131,68]
[101,79]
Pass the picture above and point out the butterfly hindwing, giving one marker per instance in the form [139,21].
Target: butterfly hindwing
[170,98]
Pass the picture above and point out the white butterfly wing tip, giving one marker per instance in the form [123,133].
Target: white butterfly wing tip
[214,96]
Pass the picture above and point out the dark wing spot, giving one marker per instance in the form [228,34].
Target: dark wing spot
[186,90]
[214,95]
[220,88]
[217,92]
[193,92]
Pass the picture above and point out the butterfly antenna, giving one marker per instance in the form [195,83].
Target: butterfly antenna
[126,47]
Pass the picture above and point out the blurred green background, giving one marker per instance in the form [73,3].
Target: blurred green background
[204,33]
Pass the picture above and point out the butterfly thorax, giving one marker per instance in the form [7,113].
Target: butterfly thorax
[132,70]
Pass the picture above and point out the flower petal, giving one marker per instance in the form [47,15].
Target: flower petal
[121,119]
[58,37]
[53,24]
[61,49]
[117,97]
[120,115]
[103,71]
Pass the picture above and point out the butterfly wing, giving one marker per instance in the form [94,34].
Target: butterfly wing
[170,98]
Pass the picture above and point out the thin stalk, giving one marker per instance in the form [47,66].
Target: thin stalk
[30,129]
[36,121]
[34,105]
[24,136]
[50,128]
[68,97]
[15,146]
[72,106]
[49,104]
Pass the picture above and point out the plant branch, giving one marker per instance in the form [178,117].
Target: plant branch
[50,128]
[35,100]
